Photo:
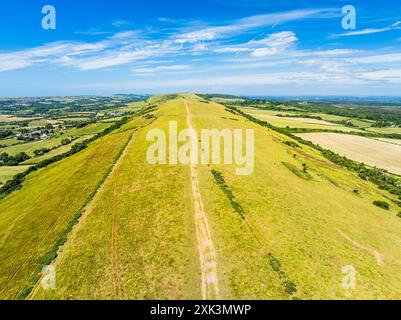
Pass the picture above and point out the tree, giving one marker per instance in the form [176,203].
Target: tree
[21,157]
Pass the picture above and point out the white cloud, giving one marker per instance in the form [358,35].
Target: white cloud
[263,52]
[368,31]
[260,79]
[120,23]
[121,48]
[279,39]
[162,68]
[245,24]
[336,52]
[388,75]
[376,58]
[327,66]
[232,49]
[200,47]
[274,44]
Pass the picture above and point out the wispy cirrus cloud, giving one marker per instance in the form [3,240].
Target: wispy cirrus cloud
[272,44]
[248,23]
[127,46]
[118,49]
[396,25]
[120,23]
[157,69]
[270,55]
[92,32]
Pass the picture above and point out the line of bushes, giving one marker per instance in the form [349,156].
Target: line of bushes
[381,178]
[218,177]
[11,161]
[382,204]
[289,287]
[303,174]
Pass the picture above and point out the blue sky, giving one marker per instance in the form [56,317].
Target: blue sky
[254,47]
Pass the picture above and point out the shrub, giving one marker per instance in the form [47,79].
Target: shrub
[291,144]
[382,204]
[220,181]
[41,152]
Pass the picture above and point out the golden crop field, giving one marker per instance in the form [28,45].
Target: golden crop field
[297,122]
[383,154]
[6,173]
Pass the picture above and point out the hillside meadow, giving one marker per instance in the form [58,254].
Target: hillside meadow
[299,231]
[34,219]
[144,244]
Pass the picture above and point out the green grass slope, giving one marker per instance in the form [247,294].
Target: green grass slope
[144,243]
[34,219]
[283,232]
[299,230]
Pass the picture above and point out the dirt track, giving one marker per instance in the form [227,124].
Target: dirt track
[207,254]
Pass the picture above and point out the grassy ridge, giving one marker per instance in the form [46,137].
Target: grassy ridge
[35,218]
[283,232]
[144,244]
[311,227]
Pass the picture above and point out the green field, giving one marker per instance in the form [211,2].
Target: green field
[11,118]
[7,173]
[55,152]
[8,142]
[55,141]
[298,122]
[386,130]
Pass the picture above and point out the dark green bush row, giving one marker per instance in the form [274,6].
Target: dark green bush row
[381,178]
[218,177]
[303,174]
[291,144]
[289,287]
[11,161]
[382,204]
